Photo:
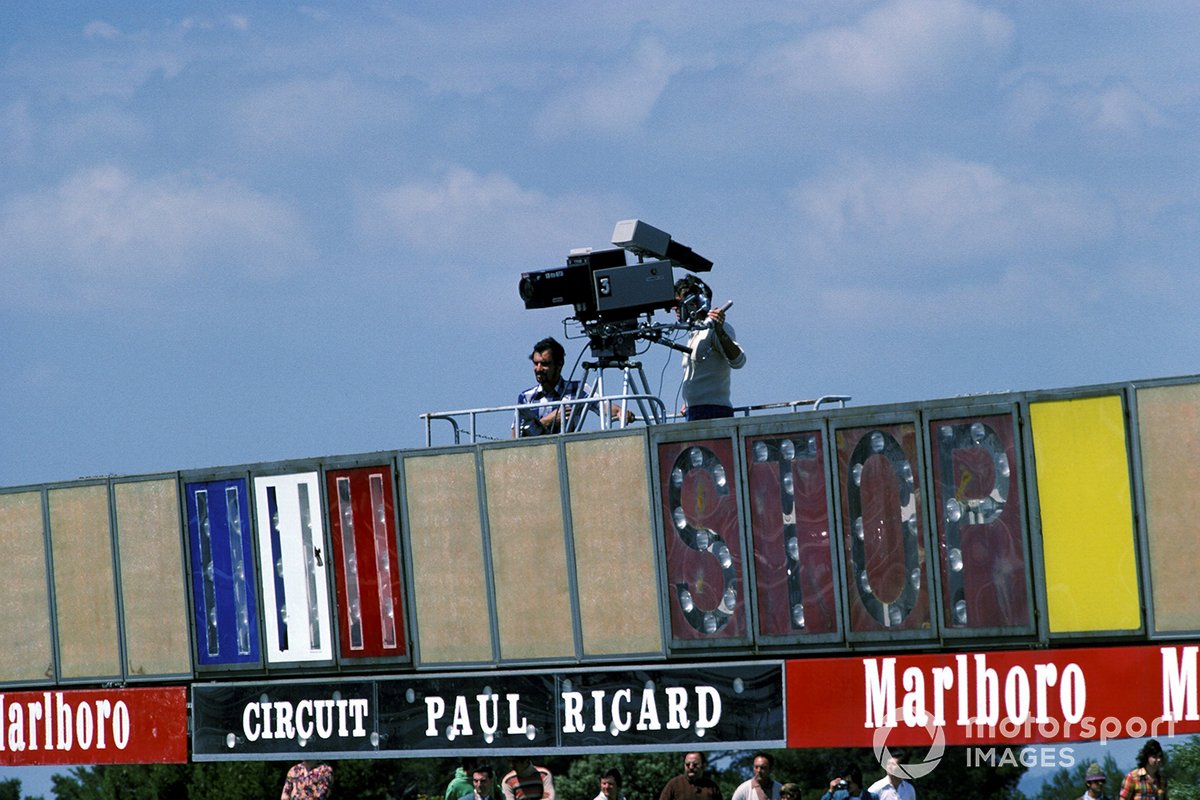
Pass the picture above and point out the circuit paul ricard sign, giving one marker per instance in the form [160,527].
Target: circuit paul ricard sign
[630,709]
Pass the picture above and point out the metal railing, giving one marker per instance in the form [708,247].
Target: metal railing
[652,410]
[795,405]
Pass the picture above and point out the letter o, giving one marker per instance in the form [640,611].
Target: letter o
[120,724]
[1016,695]
[84,727]
[1072,694]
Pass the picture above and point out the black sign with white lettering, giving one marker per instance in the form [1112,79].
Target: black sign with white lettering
[233,720]
[722,705]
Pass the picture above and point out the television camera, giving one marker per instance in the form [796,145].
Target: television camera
[613,301]
[608,295]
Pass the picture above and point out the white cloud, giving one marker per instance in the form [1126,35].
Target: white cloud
[901,46]
[935,217]
[104,234]
[463,214]
[1119,109]
[1103,107]
[99,29]
[462,239]
[614,98]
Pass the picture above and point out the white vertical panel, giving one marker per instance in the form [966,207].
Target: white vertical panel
[291,547]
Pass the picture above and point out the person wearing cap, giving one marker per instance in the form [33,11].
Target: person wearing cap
[1147,782]
[1094,780]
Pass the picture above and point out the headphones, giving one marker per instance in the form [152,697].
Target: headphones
[695,298]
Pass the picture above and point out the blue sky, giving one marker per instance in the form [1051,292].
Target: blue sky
[237,232]
[259,231]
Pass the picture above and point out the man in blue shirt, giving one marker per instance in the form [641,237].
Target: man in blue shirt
[847,785]
[547,357]
[545,417]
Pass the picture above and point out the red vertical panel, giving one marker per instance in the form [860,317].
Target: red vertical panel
[883,532]
[980,530]
[702,539]
[789,520]
[367,572]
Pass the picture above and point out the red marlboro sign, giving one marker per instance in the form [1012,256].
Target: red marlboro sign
[103,726]
[1005,697]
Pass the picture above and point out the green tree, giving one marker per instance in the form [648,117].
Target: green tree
[1183,769]
[123,782]
[232,780]
[643,775]
[10,789]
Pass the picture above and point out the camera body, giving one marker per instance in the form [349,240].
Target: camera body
[600,287]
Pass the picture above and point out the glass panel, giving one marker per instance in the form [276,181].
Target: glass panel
[703,540]
[368,571]
[883,532]
[225,606]
[350,565]
[789,519]
[295,587]
[381,515]
[981,534]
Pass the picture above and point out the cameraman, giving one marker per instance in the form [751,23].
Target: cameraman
[848,784]
[712,352]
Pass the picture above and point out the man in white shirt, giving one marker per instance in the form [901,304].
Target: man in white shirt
[762,786]
[892,786]
[712,352]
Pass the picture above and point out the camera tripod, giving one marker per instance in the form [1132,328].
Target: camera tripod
[634,388]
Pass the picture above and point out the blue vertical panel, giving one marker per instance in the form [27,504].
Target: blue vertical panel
[224,601]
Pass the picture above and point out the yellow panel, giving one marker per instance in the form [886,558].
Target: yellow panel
[25,648]
[446,541]
[529,556]
[149,544]
[85,600]
[1169,429]
[1087,515]
[614,546]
